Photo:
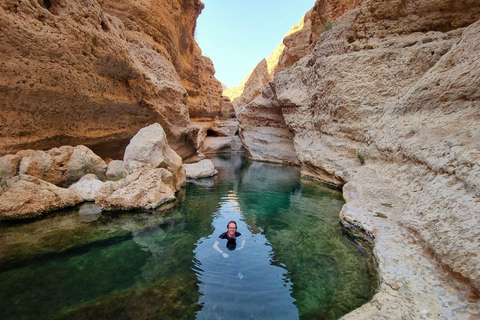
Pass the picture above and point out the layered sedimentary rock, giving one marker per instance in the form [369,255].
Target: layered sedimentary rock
[388,105]
[95,72]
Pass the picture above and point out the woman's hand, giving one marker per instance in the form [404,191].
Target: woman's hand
[225,255]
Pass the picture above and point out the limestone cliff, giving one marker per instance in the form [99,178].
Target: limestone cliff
[297,43]
[388,105]
[95,72]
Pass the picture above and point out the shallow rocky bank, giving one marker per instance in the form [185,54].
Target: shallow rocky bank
[149,176]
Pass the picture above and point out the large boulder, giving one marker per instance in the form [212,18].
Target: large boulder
[50,165]
[24,196]
[149,149]
[59,166]
[9,165]
[115,170]
[87,187]
[201,169]
[147,189]
[84,161]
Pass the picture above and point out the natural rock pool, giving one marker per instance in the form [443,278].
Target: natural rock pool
[161,264]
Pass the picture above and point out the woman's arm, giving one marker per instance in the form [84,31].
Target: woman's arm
[243,244]
[215,246]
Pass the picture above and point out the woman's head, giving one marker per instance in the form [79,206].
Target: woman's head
[231,228]
[232,224]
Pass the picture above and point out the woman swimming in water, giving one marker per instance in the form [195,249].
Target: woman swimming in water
[231,235]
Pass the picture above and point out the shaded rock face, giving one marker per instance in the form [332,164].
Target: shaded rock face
[262,124]
[388,104]
[217,136]
[96,72]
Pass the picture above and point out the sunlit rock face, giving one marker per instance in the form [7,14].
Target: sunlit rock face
[297,43]
[24,196]
[388,104]
[263,128]
[95,72]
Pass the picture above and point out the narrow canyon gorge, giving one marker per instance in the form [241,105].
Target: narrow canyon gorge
[378,97]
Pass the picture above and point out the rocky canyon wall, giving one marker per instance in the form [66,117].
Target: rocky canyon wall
[95,72]
[388,105]
[297,43]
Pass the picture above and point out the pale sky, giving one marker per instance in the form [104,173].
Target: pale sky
[238,34]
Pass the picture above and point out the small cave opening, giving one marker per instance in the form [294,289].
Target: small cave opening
[48,4]
[51,5]
[104,26]
[212,133]
[237,133]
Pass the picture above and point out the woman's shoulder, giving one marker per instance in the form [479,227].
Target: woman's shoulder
[223,235]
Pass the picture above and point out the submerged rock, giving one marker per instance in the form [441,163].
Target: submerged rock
[201,169]
[25,196]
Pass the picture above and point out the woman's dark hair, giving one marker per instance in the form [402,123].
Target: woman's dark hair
[231,221]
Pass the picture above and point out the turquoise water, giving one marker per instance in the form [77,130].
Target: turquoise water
[161,264]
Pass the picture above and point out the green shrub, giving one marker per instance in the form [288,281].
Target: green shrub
[361,158]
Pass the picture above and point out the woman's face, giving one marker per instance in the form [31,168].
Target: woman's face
[231,229]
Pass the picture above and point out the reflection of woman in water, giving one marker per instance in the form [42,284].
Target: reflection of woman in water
[231,235]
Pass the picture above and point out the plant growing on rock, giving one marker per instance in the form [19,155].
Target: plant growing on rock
[3,182]
[361,158]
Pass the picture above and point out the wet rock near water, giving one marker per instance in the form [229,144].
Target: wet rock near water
[24,196]
[147,189]
[201,169]
[154,172]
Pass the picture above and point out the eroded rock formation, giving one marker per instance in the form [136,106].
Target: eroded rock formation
[297,43]
[388,105]
[95,72]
